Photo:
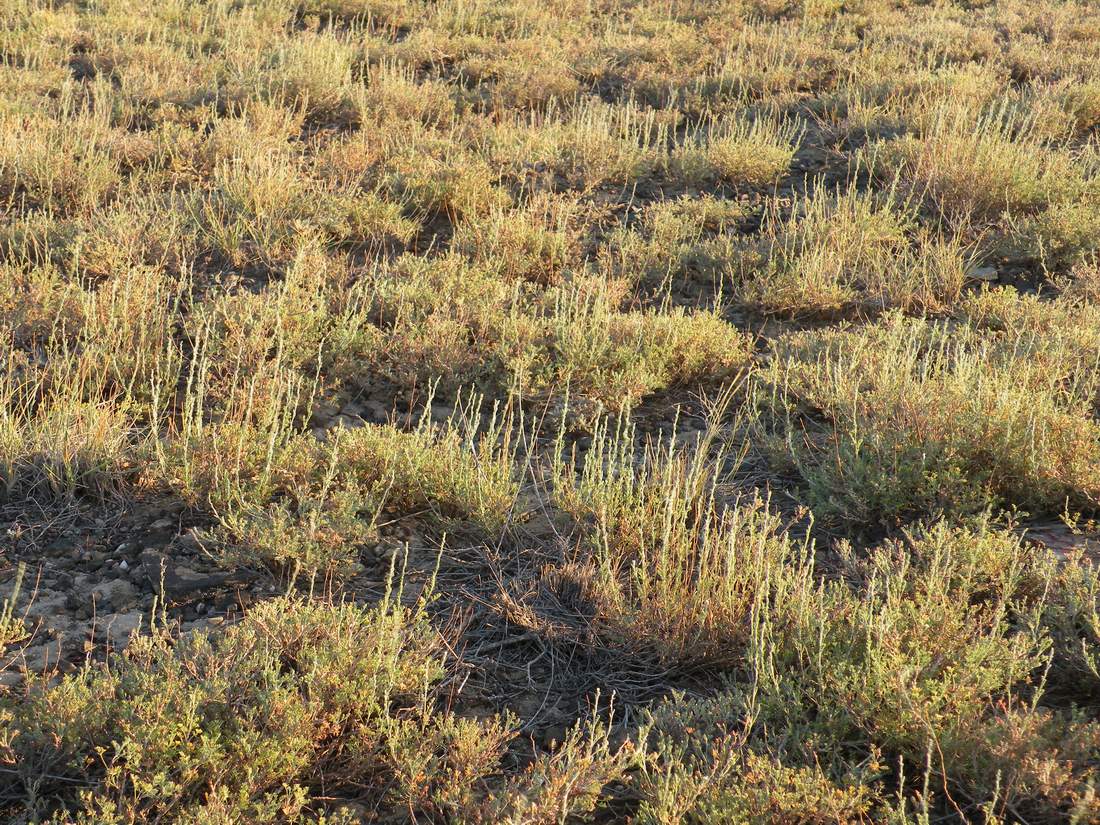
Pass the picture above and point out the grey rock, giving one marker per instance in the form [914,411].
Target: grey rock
[119,593]
[46,604]
[121,626]
[175,580]
[983,273]
[39,658]
[186,541]
[60,546]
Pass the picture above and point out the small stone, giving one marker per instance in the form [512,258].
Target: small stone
[162,524]
[39,658]
[324,411]
[45,605]
[983,273]
[555,734]
[58,546]
[377,411]
[186,541]
[122,626]
[177,580]
[124,565]
[118,593]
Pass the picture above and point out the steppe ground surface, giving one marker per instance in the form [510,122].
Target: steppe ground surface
[653,411]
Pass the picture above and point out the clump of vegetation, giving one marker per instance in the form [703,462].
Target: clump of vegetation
[300,706]
[909,419]
[550,412]
[849,251]
[840,670]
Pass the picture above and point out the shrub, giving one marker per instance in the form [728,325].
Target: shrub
[982,170]
[921,660]
[909,418]
[617,358]
[747,153]
[850,250]
[297,702]
[678,569]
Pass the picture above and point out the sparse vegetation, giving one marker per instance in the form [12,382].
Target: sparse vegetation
[550,412]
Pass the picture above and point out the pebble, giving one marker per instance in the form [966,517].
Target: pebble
[326,411]
[983,273]
[187,541]
[124,565]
